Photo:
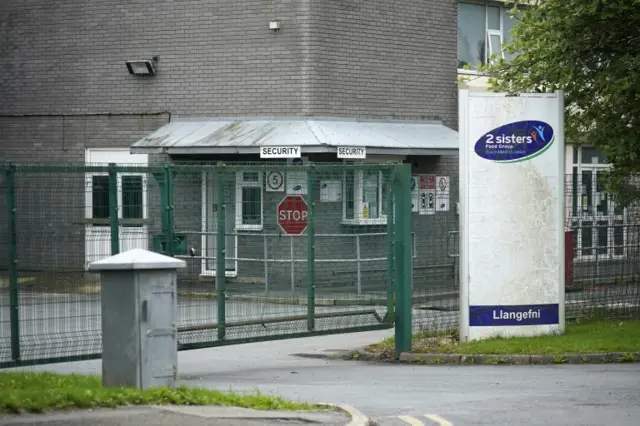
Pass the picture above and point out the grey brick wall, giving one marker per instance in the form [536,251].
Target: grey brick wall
[386,59]
[218,58]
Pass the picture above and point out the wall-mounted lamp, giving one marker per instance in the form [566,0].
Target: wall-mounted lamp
[142,67]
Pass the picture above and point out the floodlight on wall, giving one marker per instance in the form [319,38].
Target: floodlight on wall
[142,67]
[274,26]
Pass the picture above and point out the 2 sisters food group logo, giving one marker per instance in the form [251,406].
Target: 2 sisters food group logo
[514,142]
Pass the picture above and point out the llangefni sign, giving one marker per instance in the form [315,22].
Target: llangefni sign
[483,316]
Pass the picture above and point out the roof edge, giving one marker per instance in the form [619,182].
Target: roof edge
[319,149]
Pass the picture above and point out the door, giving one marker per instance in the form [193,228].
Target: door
[598,221]
[132,205]
[158,340]
[210,228]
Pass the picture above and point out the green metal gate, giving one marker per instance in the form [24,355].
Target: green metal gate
[305,249]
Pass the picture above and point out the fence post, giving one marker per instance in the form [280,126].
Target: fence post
[292,268]
[169,207]
[14,296]
[221,234]
[266,263]
[389,317]
[162,185]
[311,251]
[359,267]
[403,271]
[113,209]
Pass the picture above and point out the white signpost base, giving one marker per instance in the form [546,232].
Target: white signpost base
[511,214]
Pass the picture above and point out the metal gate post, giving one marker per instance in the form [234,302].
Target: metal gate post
[403,267]
[14,296]
[169,208]
[311,251]
[113,209]
[389,317]
[221,267]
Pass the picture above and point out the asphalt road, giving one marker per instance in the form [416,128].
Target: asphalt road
[571,395]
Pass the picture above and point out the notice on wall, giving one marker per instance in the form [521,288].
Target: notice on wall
[511,214]
[297,183]
[275,181]
[442,193]
[330,191]
[427,194]
[415,194]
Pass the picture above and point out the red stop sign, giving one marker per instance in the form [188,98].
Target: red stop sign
[293,214]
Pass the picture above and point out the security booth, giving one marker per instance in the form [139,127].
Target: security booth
[263,182]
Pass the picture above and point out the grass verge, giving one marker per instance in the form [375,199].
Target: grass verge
[39,392]
[579,338]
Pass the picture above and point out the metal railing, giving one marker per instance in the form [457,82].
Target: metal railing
[292,260]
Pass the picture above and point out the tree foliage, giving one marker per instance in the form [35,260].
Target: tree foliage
[590,49]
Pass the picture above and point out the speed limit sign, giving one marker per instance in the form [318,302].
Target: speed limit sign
[275,182]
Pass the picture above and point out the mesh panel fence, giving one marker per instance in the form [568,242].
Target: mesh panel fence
[435,228]
[267,214]
[303,249]
[273,286]
[63,224]
[602,249]
[602,252]
[5,320]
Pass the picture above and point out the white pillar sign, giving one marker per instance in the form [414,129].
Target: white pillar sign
[511,214]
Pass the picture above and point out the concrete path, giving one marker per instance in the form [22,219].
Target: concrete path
[183,416]
[568,395]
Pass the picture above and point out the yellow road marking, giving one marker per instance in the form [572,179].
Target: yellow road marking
[436,418]
[411,420]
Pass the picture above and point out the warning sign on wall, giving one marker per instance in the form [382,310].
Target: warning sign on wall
[427,194]
[442,193]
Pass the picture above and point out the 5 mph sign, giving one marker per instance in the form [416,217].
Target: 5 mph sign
[293,214]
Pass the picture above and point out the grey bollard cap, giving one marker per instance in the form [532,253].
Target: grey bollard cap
[137,259]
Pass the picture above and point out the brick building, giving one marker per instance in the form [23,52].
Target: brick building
[343,66]
[68,96]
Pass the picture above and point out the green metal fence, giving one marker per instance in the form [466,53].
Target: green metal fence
[305,249]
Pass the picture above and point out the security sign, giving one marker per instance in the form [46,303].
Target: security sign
[293,214]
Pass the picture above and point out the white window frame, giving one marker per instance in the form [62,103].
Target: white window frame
[595,217]
[487,34]
[358,191]
[97,240]
[208,214]
[240,184]
[489,49]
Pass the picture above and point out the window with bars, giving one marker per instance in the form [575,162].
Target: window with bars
[249,199]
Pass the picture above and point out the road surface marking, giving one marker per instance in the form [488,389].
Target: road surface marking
[411,420]
[436,418]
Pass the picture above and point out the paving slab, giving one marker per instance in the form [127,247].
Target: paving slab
[183,416]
